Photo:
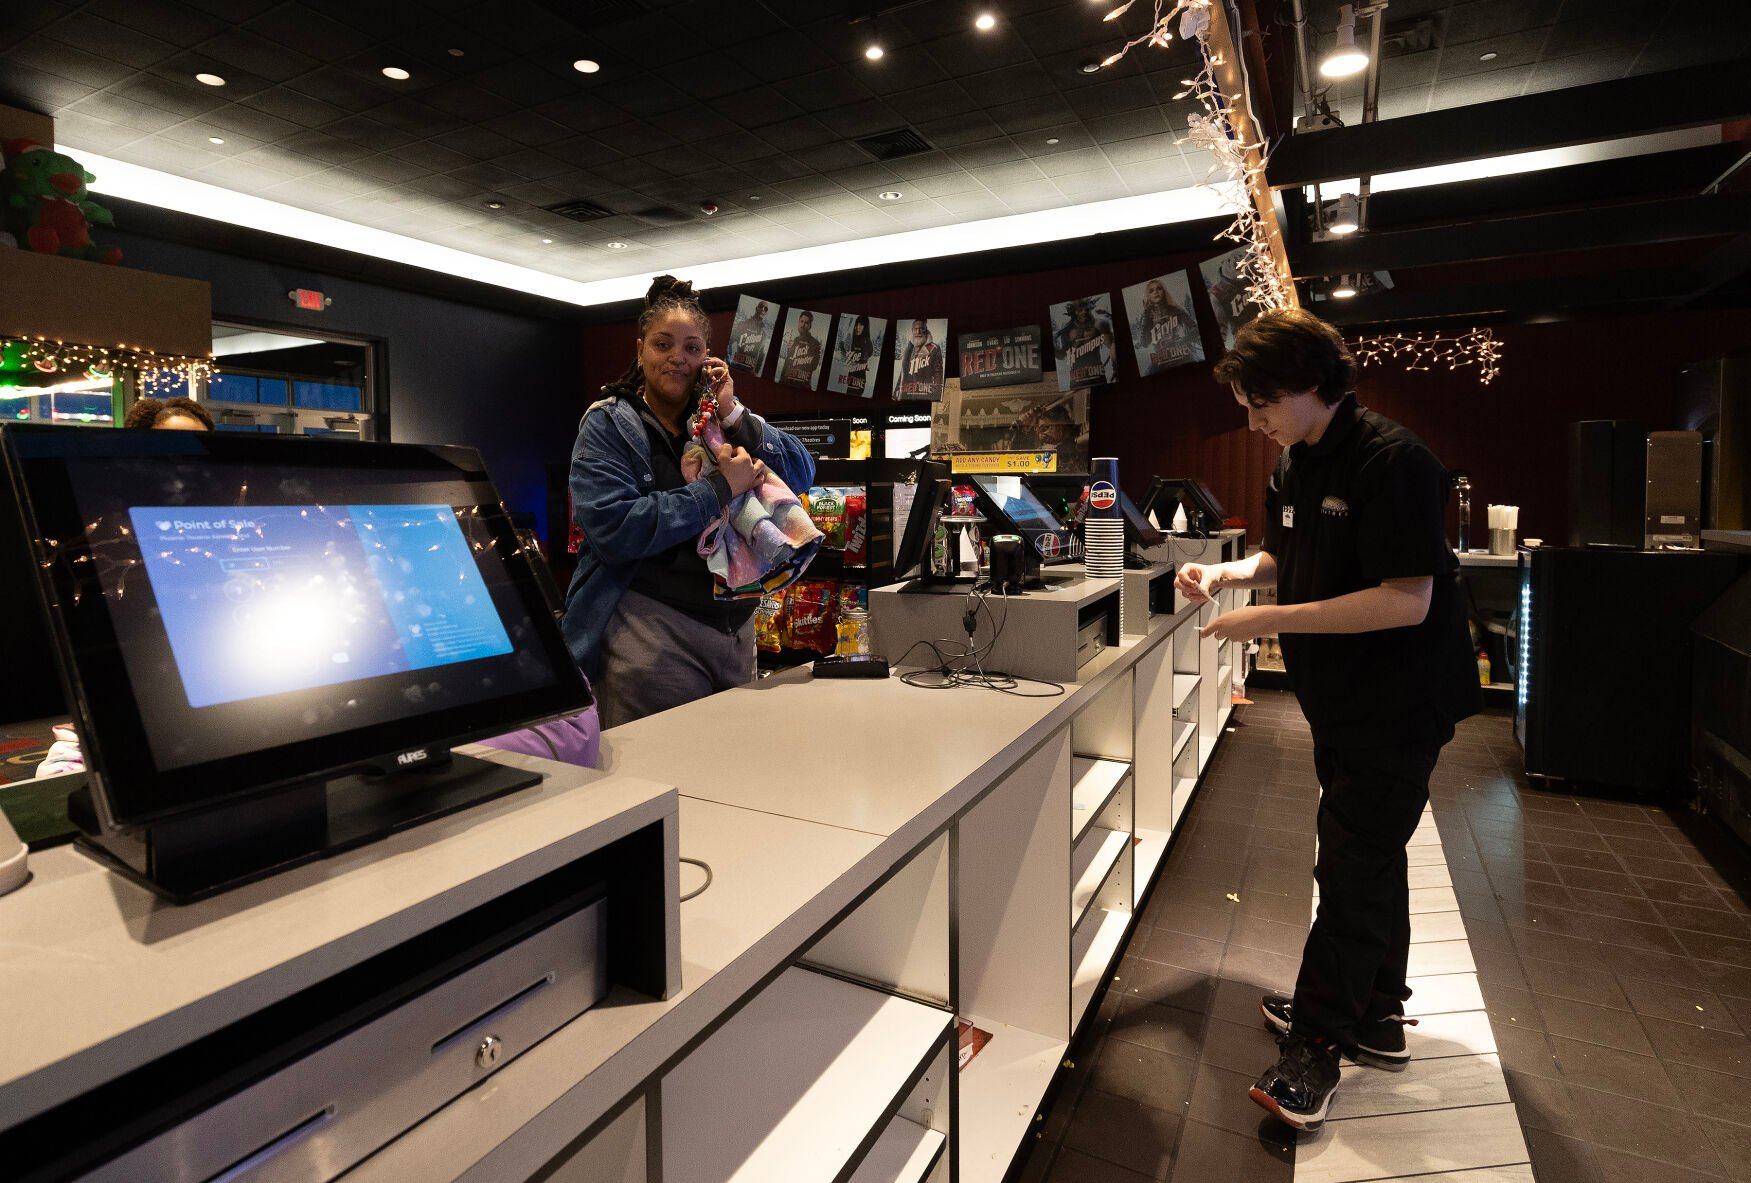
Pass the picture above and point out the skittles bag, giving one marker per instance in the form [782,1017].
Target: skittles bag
[48,208]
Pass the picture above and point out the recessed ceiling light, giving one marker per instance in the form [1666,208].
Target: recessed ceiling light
[891,195]
[1488,57]
[209,80]
[617,246]
[215,139]
[397,73]
[456,53]
[985,23]
[495,205]
[586,66]
[547,241]
[1053,140]
[1091,66]
[874,53]
[753,197]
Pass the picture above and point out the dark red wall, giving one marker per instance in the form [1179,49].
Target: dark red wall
[1511,435]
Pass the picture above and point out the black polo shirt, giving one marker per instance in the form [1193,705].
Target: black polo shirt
[1368,503]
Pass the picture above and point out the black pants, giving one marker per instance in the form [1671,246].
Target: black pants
[1353,966]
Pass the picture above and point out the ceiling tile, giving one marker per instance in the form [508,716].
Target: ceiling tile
[933,102]
[300,108]
[1001,150]
[65,61]
[88,33]
[164,19]
[958,130]
[758,107]
[25,86]
[326,148]
[527,128]
[236,49]
[945,185]
[167,96]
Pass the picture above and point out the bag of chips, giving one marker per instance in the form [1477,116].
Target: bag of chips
[856,527]
[769,624]
[827,509]
[810,615]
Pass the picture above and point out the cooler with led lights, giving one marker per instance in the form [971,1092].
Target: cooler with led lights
[1603,694]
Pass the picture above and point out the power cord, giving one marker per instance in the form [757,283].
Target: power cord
[952,669]
[700,890]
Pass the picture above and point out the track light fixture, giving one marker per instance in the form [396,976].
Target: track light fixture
[1345,216]
[1346,57]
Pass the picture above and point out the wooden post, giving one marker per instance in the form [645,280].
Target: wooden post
[1224,48]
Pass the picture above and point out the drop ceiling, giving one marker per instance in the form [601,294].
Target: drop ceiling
[755,106]
[1435,50]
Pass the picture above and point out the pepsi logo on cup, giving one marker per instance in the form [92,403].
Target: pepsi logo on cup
[1102,495]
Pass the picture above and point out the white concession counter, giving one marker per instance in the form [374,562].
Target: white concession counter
[885,859]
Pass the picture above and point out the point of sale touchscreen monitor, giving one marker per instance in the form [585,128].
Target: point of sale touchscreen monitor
[237,612]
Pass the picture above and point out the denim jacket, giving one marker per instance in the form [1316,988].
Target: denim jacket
[626,519]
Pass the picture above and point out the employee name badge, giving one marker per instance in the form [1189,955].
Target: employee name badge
[1288,517]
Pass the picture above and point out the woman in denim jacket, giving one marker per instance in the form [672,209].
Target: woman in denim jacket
[640,615]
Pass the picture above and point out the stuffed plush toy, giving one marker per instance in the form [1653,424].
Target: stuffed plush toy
[48,208]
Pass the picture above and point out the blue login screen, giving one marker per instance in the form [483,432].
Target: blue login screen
[272,599]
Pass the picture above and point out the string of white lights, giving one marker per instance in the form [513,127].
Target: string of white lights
[1427,351]
[1237,163]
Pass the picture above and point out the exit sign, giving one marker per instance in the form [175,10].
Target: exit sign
[309,300]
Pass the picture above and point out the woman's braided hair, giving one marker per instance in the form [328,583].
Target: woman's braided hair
[665,295]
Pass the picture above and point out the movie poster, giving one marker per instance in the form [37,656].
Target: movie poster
[857,354]
[1000,357]
[1164,329]
[1227,290]
[919,366]
[804,347]
[751,333]
[1082,342]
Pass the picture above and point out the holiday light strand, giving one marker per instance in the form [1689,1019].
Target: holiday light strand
[1429,351]
[49,355]
[1238,164]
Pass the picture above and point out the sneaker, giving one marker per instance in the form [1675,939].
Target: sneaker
[1380,1043]
[1298,1088]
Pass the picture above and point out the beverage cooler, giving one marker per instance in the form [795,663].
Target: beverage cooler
[1605,650]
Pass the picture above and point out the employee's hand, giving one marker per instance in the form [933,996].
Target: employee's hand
[741,470]
[723,386]
[1196,582]
[1241,624]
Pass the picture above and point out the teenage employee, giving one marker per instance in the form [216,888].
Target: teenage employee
[640,615]
[1376,649]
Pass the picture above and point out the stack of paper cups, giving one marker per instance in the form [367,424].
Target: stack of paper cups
[1104,526]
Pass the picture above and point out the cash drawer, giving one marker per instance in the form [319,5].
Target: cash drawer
[319,1115]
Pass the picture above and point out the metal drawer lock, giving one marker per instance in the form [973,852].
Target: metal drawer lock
[487,1054]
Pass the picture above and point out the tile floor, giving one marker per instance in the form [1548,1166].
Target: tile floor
[1609,943]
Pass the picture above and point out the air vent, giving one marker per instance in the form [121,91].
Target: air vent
[1403,38]
[891,145]
[580,210]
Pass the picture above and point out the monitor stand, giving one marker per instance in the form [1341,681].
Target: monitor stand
[189,858]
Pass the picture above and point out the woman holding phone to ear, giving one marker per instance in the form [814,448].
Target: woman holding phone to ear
[641,618]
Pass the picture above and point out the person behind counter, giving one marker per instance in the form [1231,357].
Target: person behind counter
[1375,646]
[641,618]
[168,414]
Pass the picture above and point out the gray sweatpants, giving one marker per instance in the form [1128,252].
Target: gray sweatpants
[655,657]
